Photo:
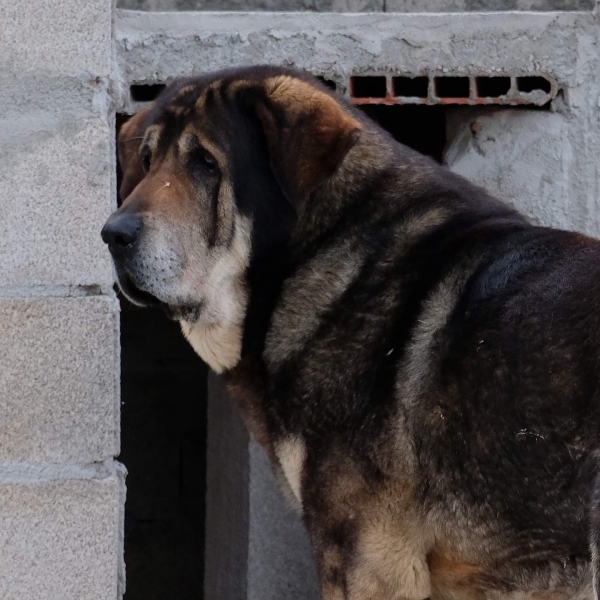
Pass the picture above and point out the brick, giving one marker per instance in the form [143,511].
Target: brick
[57,182]
[59,538]
[65,37]
[59,379]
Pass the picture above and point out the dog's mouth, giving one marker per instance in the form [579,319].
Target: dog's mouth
[147,300]
[135,294]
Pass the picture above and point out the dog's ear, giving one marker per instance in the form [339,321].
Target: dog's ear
[308,133]
[128,145]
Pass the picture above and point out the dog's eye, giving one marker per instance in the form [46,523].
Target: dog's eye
[204,160]
[146,158]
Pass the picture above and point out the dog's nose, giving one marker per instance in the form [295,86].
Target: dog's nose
[120,231]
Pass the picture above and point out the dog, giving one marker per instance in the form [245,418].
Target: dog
[419,362]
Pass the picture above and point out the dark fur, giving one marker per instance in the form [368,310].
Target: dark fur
[447,396]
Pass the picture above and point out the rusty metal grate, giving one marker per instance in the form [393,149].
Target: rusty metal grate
[452,89]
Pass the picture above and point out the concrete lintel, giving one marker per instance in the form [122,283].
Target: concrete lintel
[157,47]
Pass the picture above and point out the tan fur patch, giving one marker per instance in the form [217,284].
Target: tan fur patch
[291,453]
[217,345]
[391,562]
[218,340]
[448,569]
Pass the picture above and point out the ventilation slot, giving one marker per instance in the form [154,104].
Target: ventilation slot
[368,87]
[533,84]
[452,87]
[492,87]
[410,87]
[146,93]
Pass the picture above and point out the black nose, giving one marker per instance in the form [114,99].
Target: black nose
[120,231]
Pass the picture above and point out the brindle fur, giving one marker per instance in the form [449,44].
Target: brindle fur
[419,362]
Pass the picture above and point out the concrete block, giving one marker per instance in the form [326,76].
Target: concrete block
[60,533]
[57,172]
[255,5]
[62,37]
[59,379]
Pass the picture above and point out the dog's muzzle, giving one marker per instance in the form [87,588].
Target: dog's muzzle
[121,232]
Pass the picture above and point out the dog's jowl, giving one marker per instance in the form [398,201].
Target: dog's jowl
[419,362]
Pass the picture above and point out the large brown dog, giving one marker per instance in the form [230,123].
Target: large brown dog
[420,364]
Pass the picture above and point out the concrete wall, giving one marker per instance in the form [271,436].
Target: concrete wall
[61,492]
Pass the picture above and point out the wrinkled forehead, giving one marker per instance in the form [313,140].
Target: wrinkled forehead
[186,105]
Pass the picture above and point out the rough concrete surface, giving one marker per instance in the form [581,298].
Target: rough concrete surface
[256,5]
[62,37]
[59,379]
[357,5]
[59,533]
[56,176]
[530,160]
[280,562]
[485,5]
[160,46]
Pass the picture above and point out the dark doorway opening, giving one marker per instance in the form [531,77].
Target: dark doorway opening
[419,126]
[163,446]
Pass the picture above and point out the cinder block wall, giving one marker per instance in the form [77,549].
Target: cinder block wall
[61,492]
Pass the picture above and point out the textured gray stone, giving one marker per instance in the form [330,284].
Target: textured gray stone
[59,532]
[59,379]
[256,5]
[62,37]
[56,181]
[486,5]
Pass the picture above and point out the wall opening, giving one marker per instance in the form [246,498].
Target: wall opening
[452,87]
[410,87]
[368,87]
[533,84]
[146,92]
[419,126]
[492,87]
[163,446]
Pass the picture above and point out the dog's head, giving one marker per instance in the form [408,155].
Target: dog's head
[214,176]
